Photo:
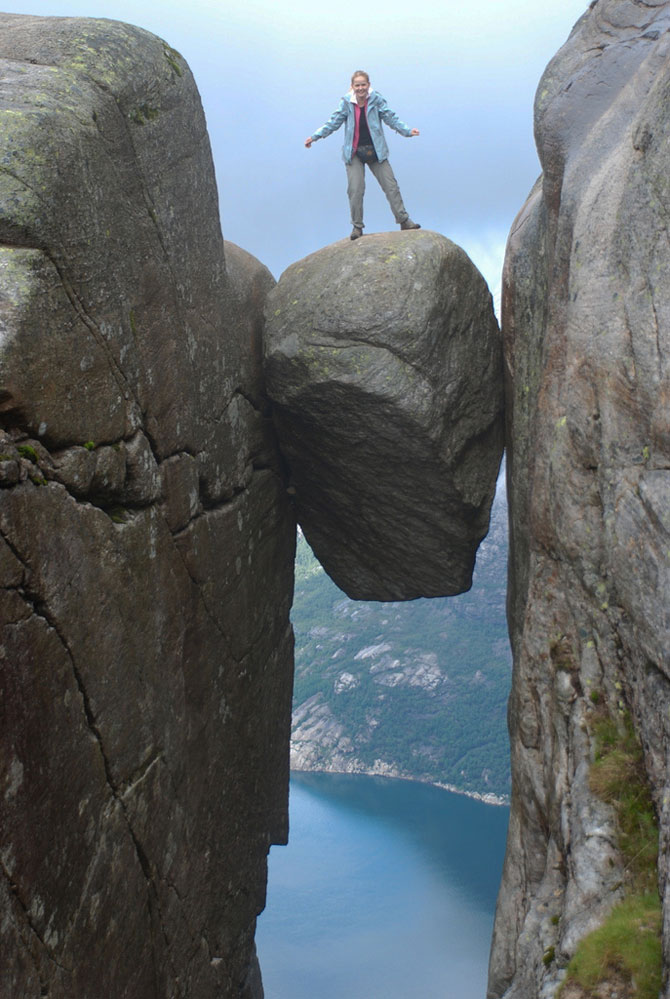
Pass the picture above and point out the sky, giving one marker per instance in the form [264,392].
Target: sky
[270,72]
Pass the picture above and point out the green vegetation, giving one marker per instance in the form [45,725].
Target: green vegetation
[618,777]
[143,113]
[628,943]
[421,685]
[28,451]
[118,514]
[90,445]
[172,57]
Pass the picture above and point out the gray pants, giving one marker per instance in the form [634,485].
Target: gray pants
[387,182]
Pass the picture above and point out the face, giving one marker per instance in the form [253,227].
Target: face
[361,88]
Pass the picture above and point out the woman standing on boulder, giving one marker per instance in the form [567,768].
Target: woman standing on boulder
[362,111]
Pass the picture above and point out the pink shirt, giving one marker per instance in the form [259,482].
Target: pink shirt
[357,114]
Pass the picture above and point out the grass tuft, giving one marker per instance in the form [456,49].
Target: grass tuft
[628,944]
[619,778]
[28,451]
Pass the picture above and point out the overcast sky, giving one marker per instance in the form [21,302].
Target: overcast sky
[271,71]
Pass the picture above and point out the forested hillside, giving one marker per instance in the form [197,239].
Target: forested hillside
[416,689]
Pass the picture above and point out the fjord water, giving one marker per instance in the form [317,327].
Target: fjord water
[386,890]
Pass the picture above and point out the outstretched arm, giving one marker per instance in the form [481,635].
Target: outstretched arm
[337,118]
[391,119]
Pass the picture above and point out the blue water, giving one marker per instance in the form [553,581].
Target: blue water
[386,890]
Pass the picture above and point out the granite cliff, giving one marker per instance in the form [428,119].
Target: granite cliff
[146,542]
[586,325]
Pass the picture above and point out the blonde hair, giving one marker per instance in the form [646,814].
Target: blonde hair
[359,72]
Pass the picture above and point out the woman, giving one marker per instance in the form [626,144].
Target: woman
[362,112]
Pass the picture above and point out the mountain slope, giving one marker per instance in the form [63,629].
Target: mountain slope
[415,689]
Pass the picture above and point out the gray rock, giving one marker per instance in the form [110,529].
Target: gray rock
[146,541]
[179,478]
[383,362]
[586,325]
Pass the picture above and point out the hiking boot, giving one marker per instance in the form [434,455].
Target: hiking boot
[356,233]
[408,224]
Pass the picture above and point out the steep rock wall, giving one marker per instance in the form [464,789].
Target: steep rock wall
[586,326]
[145,541]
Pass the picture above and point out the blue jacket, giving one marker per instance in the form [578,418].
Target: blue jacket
[377,111]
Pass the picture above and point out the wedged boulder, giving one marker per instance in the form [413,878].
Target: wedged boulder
[383,362]
[146,541]
[586,326]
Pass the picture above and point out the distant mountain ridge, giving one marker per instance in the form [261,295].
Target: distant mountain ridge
[414,689]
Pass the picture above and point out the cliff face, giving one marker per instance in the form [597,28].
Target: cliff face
[586,325]
[146,546]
